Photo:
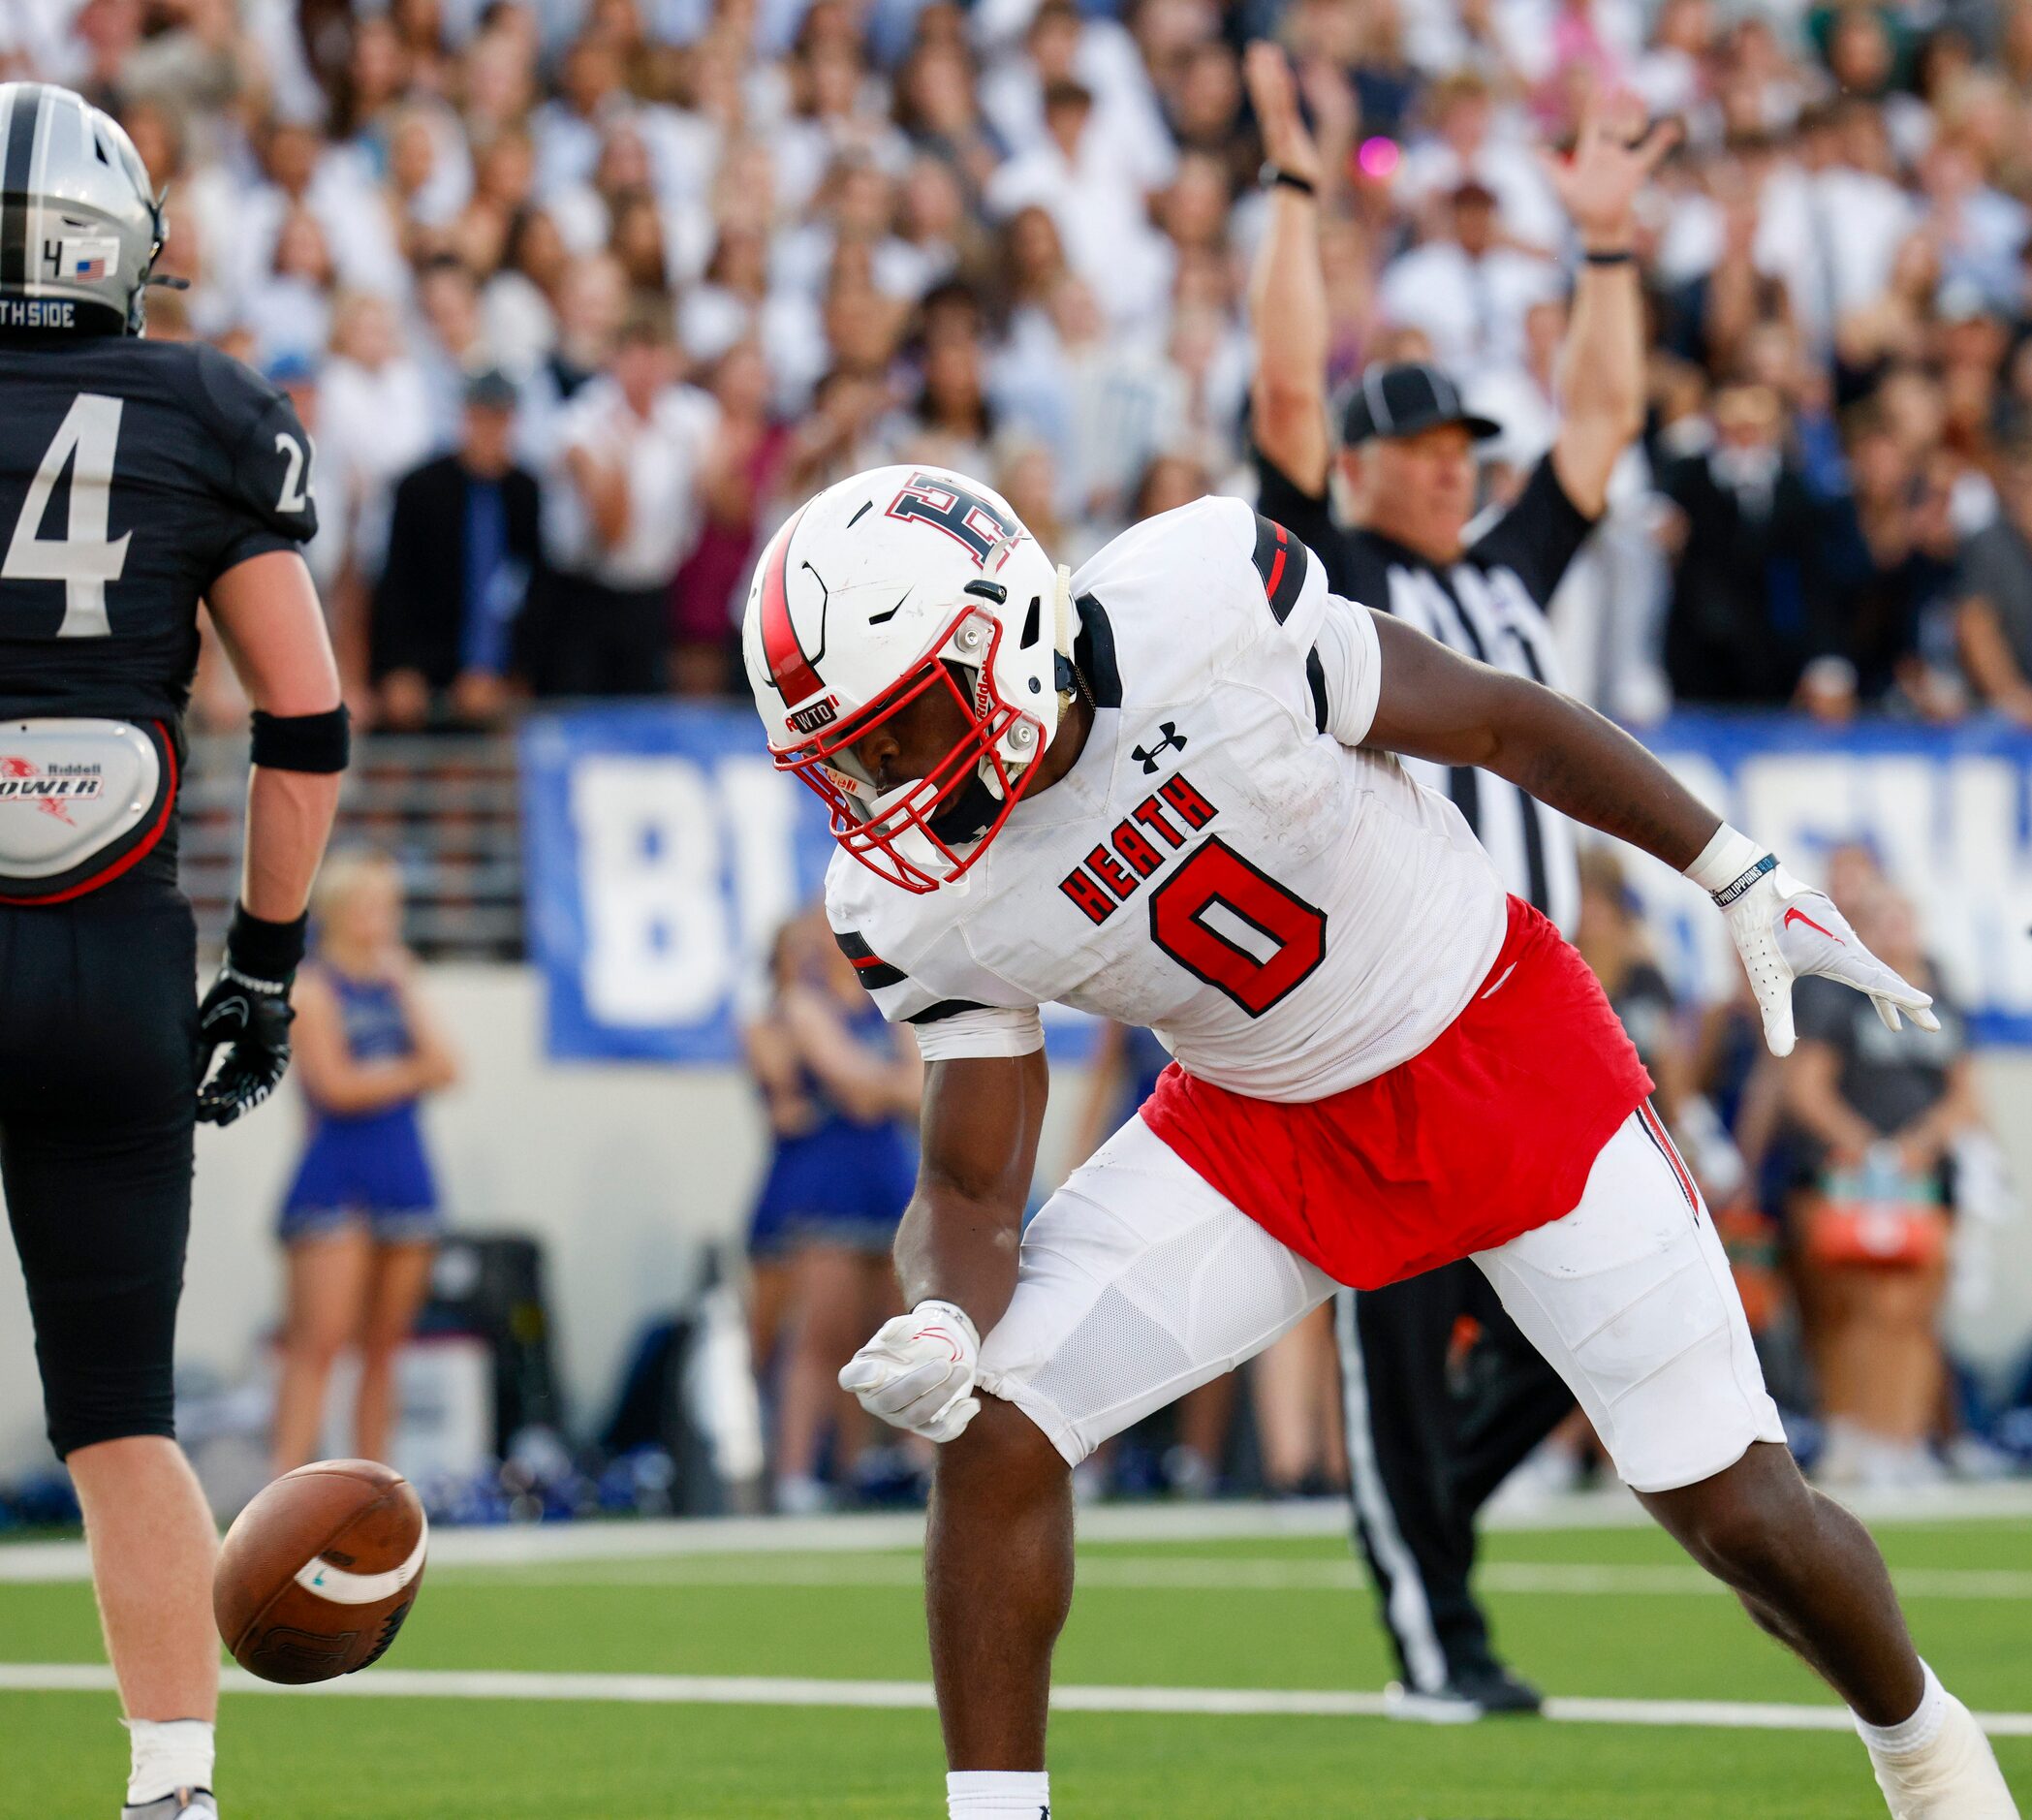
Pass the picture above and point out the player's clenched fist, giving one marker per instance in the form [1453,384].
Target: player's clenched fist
[918,1372]
[1784,929]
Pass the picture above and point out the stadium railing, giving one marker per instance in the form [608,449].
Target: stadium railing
[445,806]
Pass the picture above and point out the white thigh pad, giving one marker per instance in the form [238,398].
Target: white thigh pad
[1629,1299]
[1138,1283]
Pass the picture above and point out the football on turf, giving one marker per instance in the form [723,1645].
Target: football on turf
[317,1573]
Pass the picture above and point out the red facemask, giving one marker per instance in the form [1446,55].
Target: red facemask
[929,831]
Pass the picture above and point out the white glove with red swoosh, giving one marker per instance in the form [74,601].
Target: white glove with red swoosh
[1784,929]
[918,1372]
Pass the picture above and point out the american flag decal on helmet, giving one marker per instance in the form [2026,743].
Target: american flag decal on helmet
[791,672]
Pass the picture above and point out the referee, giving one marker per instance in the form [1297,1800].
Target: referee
[1424,1452]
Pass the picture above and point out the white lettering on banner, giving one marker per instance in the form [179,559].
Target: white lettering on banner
[686,858]
[763,808]
[659,950]
[1991,867]
[1950,831]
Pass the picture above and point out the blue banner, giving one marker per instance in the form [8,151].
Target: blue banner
[1945,810]
[662,851]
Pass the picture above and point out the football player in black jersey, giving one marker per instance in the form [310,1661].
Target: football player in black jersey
[137,479]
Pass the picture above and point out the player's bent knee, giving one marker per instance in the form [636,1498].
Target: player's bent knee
[1745,1525]
[1002,1451]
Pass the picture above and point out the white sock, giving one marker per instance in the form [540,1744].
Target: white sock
[1913,1735]
[998,1795]
[168,1754]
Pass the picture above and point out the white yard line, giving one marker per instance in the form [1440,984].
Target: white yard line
[542,1543]
[1212,1573]
[733,1691]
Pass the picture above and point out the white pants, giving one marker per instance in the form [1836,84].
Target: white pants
[1139,1281]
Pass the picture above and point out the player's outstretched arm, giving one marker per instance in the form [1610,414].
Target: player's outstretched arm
[1433,703]
[956,1249]
[273,630]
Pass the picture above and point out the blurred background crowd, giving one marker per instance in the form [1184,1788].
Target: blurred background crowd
[579,297]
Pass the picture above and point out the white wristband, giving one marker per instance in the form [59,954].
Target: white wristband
[1725,861]
[952,1311]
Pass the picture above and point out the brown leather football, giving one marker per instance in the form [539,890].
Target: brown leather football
[317,1573]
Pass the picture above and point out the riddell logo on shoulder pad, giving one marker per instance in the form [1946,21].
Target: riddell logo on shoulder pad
[22,781]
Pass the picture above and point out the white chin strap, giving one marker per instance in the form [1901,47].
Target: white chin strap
[1062,628]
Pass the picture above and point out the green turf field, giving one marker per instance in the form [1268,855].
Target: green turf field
[1608,1614]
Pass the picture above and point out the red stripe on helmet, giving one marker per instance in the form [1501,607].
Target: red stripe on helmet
[790,668]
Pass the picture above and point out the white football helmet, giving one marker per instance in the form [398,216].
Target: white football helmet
[899,580]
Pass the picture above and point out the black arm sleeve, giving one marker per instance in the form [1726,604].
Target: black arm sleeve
[1538,537]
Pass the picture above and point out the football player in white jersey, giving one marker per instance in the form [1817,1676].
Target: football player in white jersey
[1165,790]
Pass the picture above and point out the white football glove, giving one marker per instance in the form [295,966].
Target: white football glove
[918,1372]
[1785,929]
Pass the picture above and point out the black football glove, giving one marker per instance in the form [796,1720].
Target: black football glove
[248,1011]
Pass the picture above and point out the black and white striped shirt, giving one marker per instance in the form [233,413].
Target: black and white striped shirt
[1490,606]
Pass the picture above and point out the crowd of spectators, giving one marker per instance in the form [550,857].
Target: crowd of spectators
[578,298]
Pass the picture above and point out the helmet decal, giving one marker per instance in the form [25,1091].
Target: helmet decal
[15,160]
[965,516]
[791,670]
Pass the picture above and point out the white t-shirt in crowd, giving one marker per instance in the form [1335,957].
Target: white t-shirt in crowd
[1473,309]
[662,455]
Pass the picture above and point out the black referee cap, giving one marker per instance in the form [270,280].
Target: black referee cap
[1406,400]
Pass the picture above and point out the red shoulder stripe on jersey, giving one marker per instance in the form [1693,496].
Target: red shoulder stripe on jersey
[790,669]
[1281,564]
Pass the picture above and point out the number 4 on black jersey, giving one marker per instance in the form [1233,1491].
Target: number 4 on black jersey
[133,474]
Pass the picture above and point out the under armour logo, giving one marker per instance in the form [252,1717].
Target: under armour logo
[1172,738]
